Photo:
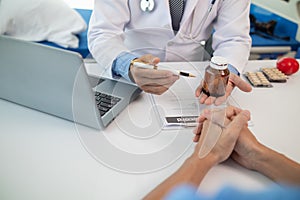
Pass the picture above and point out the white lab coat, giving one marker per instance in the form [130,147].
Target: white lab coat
[120,25]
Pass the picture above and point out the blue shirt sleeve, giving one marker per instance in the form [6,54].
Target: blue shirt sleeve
[234,70]
[274,192]
[186,192]
[121,64]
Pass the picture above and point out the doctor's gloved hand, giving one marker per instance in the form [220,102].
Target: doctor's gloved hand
[151,80]
[234,80]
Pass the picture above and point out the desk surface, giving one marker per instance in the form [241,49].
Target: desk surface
[44,157]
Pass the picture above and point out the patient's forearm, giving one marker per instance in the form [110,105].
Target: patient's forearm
[191,172]
[278,167]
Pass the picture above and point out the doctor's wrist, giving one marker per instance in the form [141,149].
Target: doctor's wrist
[129,70]
[121,64]
[233,70]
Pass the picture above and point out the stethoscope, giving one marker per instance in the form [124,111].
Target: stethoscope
[149,5]
[192,36]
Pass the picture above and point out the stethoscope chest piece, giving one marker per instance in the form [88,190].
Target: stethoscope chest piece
[147,5]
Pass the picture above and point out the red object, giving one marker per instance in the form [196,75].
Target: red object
[287,65]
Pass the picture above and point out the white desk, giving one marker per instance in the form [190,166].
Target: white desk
[44,157]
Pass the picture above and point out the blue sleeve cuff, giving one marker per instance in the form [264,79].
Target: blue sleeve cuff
[185,191]
[121,64]
[232,69]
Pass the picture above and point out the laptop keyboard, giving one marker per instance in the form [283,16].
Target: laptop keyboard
[105,102]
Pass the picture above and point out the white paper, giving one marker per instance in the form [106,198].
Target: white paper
[179,103]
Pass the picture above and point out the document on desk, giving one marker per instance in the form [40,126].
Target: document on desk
[178,107]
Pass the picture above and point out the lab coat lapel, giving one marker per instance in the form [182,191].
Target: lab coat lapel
[167,8]
[188,10]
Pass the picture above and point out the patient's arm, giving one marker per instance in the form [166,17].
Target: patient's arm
[256,156]
[194,168]
[191,172]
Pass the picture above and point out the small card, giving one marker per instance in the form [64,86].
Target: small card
[181,120]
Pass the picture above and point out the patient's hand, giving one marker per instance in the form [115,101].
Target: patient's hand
[235,121]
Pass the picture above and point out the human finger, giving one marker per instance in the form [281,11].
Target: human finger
[149,58]
[198,128]
[201,119]
[220,100]
[198,90]
[197,132]
[157,81]
[236,125]
[232,111]
[196,138]
[222,116]
[156,86]
[210,100]
[144,77]
[202,98]
[154,89]
[150,73]
[238,82]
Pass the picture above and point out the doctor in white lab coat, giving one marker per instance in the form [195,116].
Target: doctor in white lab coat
[120,31]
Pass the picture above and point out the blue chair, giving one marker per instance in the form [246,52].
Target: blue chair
[298,54]
[283,28]
[284,32]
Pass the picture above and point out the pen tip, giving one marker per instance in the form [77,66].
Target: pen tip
[186,74]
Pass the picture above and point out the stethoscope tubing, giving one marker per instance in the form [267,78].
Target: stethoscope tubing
[192,36]
[149,5]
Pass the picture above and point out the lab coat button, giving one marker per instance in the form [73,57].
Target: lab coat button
[170,43]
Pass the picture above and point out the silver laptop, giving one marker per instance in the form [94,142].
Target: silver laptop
[55,81]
